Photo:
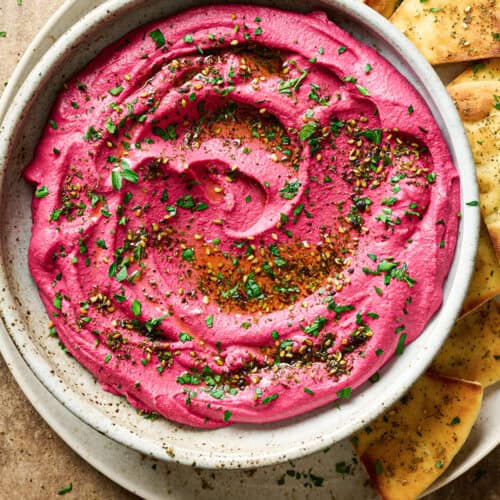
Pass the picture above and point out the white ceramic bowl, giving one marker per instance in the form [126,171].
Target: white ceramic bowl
[24,316]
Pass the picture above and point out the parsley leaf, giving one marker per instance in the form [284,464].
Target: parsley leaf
[290,190]
[188,255]
[372,135]
[344,393]
[41,192]
[286,86]
[158,38]
[315,327]
[307,131]
[252,288]
[136,307]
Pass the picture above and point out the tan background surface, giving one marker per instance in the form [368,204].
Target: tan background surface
[34,462]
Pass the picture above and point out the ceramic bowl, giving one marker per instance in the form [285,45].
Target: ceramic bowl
[24,317]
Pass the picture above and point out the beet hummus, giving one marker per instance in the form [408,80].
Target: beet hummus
[241,215]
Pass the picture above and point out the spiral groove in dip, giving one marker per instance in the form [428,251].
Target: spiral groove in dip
[236,221]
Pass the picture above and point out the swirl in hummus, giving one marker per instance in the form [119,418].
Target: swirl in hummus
[236,221]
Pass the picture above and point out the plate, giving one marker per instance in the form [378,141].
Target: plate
[134,472]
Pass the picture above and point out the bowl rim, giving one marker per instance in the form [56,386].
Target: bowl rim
[457,142]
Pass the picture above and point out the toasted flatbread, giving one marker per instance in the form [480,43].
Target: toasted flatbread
[472,351]
[451,30]
[384,7]
[485,283]
[413,443]
[476,93]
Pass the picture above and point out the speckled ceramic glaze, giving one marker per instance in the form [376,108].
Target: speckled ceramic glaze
[25,318]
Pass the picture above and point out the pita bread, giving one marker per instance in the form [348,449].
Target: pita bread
[451,30]
[472,350]
[485,283]
[384,7]
[413,443]
[476,93]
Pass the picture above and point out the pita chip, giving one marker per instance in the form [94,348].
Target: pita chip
[472,351]
[485,283]
[413,443]
[451,30]
[476,93]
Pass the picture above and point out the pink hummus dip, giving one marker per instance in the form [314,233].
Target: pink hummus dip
[241,215]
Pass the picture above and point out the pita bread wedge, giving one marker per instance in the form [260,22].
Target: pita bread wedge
[384,7]
[413,443]
[472,351]
[476,93]
[485,283]
[451,30]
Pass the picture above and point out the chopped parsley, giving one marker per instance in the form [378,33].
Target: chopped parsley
[286,87]
[362,90]
[57,302]
[401,344]
[315,327]
[307,131]
[252,288]
[92,135]
[290,190]
[126,173]
[116,90]
[158,38]
[41,192]
[65,489]
[136,307]
[338,309]
[184,337]
[270,398]
[372,135]
[168,133]
[344,393]
[188,254]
